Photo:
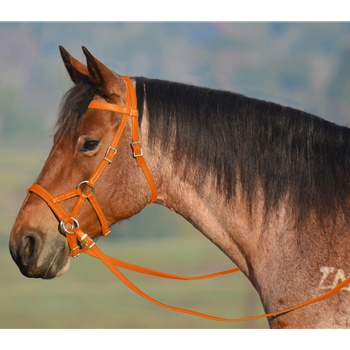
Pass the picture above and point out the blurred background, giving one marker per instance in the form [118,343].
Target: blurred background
[302,65]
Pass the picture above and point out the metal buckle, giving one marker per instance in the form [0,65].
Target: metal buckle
[75,255]
[105,234]
[108,149]
[133,150]
[82,239]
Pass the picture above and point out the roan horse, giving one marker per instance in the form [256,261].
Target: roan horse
[269,185]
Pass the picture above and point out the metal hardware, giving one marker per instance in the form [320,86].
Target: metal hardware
[108,149]
[133,150]
[106,234]
[82,239]
[86,183]
[75,255]
[74,224]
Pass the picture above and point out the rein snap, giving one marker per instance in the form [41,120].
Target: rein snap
[79,241]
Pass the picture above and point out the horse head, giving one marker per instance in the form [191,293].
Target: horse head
[81,142]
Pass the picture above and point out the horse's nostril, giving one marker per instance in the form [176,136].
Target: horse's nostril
[29,248]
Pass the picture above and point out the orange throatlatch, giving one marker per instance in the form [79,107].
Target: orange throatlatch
[79,241]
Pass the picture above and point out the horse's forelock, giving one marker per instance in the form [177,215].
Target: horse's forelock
[73,107]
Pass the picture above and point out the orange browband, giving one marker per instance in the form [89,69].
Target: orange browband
[129,110]
[77,239]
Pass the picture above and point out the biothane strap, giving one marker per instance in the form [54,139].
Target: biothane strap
[80,241]
[91,249]
[112,264]
[77,234]
[131,111]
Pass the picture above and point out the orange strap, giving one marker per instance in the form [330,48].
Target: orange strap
[140,269]
[130,110]
[77,238]
[114,108]
[53,203]
[112,264]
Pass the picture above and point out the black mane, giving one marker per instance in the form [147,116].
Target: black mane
[281,151]
[286,153]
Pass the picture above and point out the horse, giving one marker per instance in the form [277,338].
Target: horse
[269,185]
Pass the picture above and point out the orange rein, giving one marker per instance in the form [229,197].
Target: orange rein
[77,239]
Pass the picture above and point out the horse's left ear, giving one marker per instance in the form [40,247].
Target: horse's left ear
[107,82]
[76,70]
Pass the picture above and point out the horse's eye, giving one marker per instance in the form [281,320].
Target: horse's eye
[90,145]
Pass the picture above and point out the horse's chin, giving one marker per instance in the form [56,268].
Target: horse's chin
[58,266]
[54,270]
[64,270]
[52,273]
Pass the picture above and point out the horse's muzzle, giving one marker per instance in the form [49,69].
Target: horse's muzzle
[37,257]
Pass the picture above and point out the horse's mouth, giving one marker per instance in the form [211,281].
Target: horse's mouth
[55,268]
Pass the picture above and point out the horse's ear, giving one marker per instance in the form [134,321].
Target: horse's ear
[106,81]
[76,70]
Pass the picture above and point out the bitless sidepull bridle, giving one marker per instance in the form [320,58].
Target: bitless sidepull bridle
[79,241]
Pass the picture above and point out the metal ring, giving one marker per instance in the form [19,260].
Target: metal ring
[87,183]
[74,224]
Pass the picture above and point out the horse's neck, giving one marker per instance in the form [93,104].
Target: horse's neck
[205,211]
[286,266]
[285,271]
[227,225]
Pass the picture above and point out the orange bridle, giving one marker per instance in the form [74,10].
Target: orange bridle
[79,241]
[128,111]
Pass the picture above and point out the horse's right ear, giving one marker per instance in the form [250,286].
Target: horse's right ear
[76,70]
